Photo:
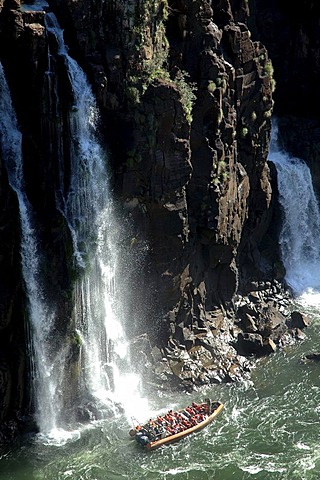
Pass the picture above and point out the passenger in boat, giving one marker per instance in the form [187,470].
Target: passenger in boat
[144,432]
[169,430]
[159,429]
[197,407]
[170,416]
[215,406]
[184,416]
[149,430]
[187,414]
[191,410]
[186,424]
[199,417]
[177,428]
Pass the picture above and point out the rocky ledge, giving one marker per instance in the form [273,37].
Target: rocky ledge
[225,347]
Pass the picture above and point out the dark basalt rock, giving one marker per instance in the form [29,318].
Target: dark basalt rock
[312,356]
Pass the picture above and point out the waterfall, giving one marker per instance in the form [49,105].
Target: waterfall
[300,231]
[45,386]
[98,378]
[83,197]
[84,200]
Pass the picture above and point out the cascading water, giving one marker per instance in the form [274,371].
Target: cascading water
[86,205]
[41,319]
[86,196]
[300,231]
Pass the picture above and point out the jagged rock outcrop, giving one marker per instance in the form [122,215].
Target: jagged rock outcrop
[186,97]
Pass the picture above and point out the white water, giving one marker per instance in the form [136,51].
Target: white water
[87,207]
[87,196]
[300,230]
[40,317]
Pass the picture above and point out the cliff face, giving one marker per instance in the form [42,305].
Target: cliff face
[188,100]
[186,103]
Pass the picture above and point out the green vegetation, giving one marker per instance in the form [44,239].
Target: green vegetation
[159,73]
[76,339]
[219,172]
[149,47]
[186,90]
[133,95]
[268,68]
[244,132]
[137,86]
[269,71]
[222,82]
[211,86]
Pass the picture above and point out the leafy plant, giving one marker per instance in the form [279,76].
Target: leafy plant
[186,90]
[244,132]
[211,86]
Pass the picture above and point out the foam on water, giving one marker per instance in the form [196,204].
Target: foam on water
[309,298]
[58,437]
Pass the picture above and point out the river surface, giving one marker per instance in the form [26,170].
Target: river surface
[268,430]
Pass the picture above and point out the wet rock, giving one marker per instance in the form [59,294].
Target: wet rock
[250,343]
[298,320]
[269,346]
[312,356]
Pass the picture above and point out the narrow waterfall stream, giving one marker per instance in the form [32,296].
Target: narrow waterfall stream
[45,387]
[300,231]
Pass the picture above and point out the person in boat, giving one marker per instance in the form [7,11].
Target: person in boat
[170,430]
[197,407]
[154,429]
[200,417]
[184,421]
[191,410]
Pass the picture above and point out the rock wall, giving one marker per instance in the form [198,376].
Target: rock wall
[186,97]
